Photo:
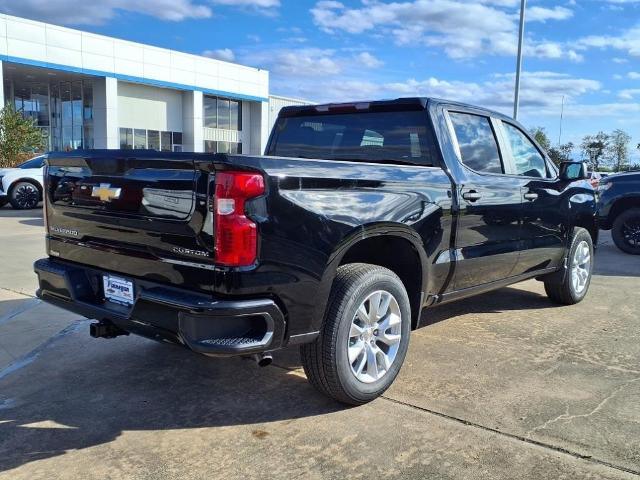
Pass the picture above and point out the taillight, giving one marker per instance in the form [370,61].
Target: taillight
[236,235]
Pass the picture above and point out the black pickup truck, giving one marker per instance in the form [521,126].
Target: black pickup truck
[619,210]
[359,217]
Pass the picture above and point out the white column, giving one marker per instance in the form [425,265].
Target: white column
[192,121]
[1,85]
[259,127]
[105,113]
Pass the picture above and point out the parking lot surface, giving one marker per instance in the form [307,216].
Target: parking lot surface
[503,385]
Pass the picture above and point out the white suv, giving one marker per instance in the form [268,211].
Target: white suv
[22,186]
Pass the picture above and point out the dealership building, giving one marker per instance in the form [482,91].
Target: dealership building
[91,91]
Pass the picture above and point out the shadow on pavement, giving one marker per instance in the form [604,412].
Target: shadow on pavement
[82,392]
[9,212]
[613,262]
[33,222]
[508,298]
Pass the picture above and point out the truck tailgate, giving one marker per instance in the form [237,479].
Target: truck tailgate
[143,214]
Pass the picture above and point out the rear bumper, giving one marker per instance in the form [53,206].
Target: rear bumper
[196,321]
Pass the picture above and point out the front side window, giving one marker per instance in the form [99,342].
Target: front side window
[528,160]
[36,162]
[477,143]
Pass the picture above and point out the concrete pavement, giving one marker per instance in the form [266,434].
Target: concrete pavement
[503,385]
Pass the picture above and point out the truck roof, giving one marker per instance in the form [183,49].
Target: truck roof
[394,105]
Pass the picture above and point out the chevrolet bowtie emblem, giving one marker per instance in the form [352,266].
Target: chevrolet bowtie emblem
[105,193]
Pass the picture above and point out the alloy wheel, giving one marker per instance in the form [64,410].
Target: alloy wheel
[581,267]
[631,232]
[374,337]
[26,196]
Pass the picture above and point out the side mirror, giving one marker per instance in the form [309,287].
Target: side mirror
[571,171]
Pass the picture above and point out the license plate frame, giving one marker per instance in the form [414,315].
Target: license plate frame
[118,290]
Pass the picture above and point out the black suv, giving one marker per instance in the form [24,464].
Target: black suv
[619,210]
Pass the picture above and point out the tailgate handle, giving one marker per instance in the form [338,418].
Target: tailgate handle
[530,196]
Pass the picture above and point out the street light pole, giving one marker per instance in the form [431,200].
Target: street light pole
[516,100]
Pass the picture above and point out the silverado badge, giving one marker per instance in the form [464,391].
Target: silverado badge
[105,193]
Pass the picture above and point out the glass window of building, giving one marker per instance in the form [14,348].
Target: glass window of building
[232,148]
[210,112]
[139,139]
[222,113]
[126,138]
[153,139]
[235,115]
[165,141]
[177,141]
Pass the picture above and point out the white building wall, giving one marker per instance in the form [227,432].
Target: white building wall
[47,45]
[276,103]
[192,121]
[105,113]
[150,108]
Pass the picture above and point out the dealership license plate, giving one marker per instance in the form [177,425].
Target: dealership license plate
[118,289]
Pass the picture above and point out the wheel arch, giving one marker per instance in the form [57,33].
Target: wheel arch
[620,205]
[32,181]
[395,247]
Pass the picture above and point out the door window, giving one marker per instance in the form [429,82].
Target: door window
[528,160]
[477,143]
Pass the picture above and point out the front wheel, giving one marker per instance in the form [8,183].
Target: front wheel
[24,196]
[364,338]
[574,285]
[626,231]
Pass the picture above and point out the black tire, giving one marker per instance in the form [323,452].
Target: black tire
[24,196]
[326,361]
[626,231]
[3,202]
[561,288]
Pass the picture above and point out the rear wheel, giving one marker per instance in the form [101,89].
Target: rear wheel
[24,196]
[626,231]
[574,285]
[364,338]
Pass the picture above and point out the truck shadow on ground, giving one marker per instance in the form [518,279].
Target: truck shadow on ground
[76,392]
[79,392]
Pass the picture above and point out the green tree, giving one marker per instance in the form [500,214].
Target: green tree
[594,148]
[540,135]
[18,135]
[561,153]
[618,149]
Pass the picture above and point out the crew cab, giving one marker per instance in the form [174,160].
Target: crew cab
[619,210]
[359,218]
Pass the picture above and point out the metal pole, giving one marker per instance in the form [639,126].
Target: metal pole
[516,100]
[561,115]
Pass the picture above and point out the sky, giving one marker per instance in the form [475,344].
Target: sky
[585,51]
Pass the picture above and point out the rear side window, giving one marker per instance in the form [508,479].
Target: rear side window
[528,160]
[402,137]
[478,146]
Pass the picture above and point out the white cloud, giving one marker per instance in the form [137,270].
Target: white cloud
[248,3]
[628,41]
[73,12]
[225,54]
[619,60]
[462,29]
[302,62]
[629,94]
[368,60]
[265,7]
[634,75]
[541,14]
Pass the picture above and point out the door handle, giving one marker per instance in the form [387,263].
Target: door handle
[471,196]
[530,196]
